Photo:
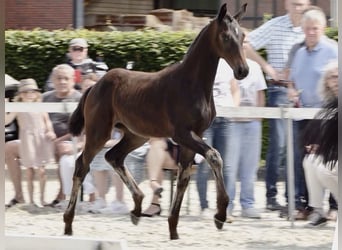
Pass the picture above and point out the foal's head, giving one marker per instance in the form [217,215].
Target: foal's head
[229,39]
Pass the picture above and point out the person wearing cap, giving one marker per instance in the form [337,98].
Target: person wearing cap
[79,60]
[36,135]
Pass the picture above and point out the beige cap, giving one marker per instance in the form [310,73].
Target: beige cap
[28,84]
[78,42]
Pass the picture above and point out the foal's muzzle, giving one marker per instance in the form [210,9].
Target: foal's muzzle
[241,73]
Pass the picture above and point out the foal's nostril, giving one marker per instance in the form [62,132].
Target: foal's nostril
[242,73]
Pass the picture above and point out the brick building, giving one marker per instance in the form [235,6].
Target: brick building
[47,14]
[52,14]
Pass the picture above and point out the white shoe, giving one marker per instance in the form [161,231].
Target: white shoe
[62,205]
[119,207]
[230,217]
[251,213]
[207,213]
[116,207]
[98,204]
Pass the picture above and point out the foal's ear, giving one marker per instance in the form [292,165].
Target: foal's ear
[222,12]
[241,12]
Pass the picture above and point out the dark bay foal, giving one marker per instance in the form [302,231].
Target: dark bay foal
[176,102]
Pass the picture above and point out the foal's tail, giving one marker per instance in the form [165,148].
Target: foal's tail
[76,120]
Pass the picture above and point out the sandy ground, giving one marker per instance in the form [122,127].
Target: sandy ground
[196,232]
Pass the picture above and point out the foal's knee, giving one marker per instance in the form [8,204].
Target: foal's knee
[214,158]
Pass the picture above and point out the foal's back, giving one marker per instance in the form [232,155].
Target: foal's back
[138,100]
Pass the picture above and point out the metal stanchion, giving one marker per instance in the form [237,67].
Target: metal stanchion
[290,165]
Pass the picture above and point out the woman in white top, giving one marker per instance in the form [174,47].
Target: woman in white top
[244,146]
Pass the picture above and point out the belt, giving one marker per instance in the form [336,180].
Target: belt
[280,83]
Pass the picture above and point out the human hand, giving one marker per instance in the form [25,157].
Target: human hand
[312,148]
[50,135]
[269,70]
[64,148]
[293,95]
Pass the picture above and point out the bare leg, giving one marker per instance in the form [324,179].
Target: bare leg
[62,148]
[42,183]
[119,187]
[100,178]
[30,185]
[157,159]
[14,170]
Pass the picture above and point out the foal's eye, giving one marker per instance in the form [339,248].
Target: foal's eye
[225,37]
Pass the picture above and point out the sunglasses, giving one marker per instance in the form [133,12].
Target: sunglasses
[29,91]
[77,49]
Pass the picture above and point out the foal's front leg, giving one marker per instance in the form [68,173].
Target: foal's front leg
[215,161]
[196,144]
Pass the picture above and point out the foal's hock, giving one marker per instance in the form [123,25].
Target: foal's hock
[176,102]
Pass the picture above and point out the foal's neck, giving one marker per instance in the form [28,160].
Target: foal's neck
[201,62]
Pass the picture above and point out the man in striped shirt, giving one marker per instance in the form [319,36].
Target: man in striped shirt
[277,36]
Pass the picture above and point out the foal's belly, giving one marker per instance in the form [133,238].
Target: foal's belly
[147,127]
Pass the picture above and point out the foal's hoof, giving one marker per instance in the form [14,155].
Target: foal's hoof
[174,236]
[68,231]
[218,223]
[135,219]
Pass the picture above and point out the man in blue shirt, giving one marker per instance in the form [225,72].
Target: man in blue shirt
[306,70]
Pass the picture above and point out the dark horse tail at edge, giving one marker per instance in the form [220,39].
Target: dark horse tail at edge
[323,131]
[76,121]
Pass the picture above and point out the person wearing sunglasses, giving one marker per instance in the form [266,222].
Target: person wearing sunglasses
[78,59]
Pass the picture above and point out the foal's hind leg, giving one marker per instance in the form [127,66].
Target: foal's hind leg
[77,182]
[183,179]
[94,143]
[116,156]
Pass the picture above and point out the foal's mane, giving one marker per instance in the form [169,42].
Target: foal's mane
[195,41]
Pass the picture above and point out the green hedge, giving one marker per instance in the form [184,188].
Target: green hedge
[34,53]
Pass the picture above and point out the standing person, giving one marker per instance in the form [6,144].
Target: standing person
[36,137]
[63,80]
[83,65]
[277,36]
[305,73]
[333,207]
[244,146]
[226,94]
